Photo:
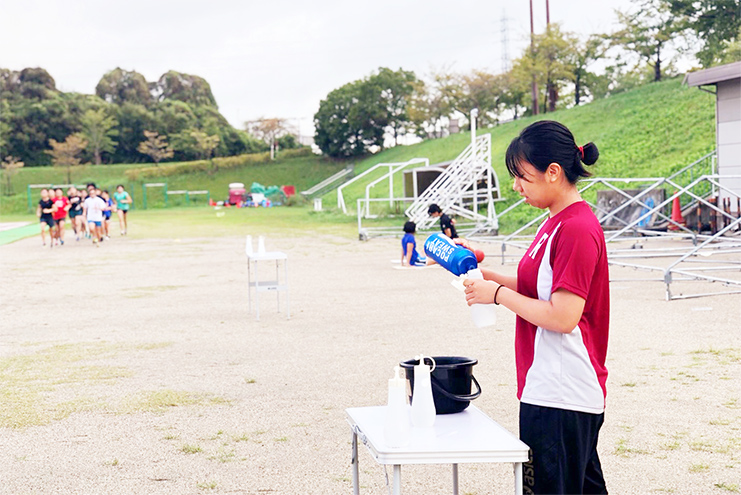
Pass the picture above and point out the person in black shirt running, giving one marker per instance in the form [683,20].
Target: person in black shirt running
[45,212]
[447,225]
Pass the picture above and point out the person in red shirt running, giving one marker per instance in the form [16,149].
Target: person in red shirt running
[562,300]
[62,204]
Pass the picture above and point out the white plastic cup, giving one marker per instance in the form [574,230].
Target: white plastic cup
[483,315]
[248,247]
[261,245]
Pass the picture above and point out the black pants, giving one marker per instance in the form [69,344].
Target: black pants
[563,451]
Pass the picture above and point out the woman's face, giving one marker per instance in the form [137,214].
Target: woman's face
[533,186]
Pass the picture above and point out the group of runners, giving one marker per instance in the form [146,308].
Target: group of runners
[89,212]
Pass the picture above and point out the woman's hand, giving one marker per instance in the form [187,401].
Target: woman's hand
[463,242]
[480,291]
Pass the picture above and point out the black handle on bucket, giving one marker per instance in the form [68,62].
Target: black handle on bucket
[461,398]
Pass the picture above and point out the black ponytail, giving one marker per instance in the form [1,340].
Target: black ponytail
[545,142]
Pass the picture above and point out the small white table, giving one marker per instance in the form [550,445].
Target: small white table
[466,437]
[269,285]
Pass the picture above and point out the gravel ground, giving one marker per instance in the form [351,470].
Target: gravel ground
[137,368]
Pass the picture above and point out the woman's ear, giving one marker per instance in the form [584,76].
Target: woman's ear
[553,172]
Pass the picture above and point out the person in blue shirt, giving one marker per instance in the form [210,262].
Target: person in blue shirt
[409,255]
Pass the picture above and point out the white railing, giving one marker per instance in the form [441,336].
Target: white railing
[456,190]
[326,182]
[393,168]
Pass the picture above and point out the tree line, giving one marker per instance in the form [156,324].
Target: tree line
[557,70]
[127,120]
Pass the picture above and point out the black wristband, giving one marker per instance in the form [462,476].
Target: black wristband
[496,294]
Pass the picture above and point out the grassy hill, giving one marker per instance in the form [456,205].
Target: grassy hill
[302,171]
[648,132]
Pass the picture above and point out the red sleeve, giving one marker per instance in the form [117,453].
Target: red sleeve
[574,258]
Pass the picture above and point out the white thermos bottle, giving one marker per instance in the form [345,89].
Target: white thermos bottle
[423,407]
[396,430]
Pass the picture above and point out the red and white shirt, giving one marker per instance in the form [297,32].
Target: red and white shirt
[565,370]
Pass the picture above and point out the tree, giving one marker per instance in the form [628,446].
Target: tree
[267,130]
[121,86]
[67,153]
[554,48]
[583,54]
[10,165]
[396,89]
[716,23]
[187,88]
[206,145]
[155,146]
[515,93]
[648,31]
[99,129]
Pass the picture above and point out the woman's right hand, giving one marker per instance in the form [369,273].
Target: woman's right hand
[463,242]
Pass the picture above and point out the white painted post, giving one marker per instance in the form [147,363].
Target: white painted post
[474,114]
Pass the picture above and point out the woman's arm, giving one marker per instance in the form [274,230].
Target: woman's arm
[409,249]
[560,314]
[509,281]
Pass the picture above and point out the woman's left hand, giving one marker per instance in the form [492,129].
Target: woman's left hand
[480,291]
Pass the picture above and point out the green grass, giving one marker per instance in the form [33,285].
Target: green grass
[649,132]
[301,172]
[27,381]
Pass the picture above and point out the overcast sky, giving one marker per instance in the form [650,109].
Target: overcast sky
[274,58]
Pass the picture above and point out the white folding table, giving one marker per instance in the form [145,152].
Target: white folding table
[267,285]
[466,437]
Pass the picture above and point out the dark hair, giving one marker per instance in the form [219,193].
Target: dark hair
[121,186]
[410,227]
[89,185]
[433,209]
[545,142]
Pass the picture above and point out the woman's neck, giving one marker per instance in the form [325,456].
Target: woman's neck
[563,201]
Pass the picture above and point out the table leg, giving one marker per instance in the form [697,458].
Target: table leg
[455,479]
[277,281]
[285,279]
[257,293]
[397,479]
[355,470]
[249,285]
[518,478]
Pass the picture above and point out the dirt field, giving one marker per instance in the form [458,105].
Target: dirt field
[137,368]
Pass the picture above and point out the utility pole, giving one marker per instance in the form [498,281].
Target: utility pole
[532,52]
[551,89]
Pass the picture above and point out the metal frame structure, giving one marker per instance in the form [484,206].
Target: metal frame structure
[688,262]
[392,169]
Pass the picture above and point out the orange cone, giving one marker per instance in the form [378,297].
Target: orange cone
[676,214]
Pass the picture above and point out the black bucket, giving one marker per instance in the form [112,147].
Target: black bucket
[451,382]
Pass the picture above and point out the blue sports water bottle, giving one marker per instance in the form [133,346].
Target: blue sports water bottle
[459,260]
[451,256]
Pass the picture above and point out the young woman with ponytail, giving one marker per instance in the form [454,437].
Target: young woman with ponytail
[562,300]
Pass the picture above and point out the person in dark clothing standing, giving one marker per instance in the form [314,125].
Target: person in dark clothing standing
[447,225]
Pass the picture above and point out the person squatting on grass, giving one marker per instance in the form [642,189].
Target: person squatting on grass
[562,300]
[447,225]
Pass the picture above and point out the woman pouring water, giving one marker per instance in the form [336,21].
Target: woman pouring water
[561,297]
